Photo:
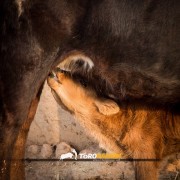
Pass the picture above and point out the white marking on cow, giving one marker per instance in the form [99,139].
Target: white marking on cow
[69,63]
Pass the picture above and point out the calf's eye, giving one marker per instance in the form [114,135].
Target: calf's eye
[83,82]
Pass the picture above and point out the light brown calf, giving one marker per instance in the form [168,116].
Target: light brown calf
[137,133]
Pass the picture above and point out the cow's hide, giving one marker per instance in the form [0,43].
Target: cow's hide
[134,47]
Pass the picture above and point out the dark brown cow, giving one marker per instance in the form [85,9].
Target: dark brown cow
[134,46]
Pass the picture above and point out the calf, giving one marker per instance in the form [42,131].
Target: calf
[137,133]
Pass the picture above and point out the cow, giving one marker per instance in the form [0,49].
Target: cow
[132,45]
[144,134]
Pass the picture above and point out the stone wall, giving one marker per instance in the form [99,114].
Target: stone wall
[53,125]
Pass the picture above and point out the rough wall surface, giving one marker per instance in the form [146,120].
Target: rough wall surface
[53,125]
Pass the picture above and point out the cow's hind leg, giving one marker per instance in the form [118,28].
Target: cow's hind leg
[13,139]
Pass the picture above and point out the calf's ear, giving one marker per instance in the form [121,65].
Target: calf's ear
[107,107]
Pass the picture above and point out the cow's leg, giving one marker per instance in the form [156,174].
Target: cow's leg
[12,164]
[17,167]
[19,98]
[8,153]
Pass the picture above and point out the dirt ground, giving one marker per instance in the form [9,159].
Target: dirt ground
[81,170]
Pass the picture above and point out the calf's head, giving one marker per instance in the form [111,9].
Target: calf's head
[77,97]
